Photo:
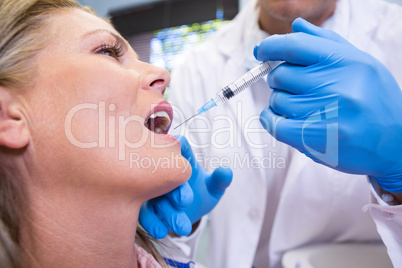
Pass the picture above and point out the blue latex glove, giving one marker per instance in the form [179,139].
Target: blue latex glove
[336,104]
[177,210]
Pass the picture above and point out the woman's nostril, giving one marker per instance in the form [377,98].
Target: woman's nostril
[158,82]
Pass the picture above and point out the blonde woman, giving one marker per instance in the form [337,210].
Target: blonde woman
[83,140]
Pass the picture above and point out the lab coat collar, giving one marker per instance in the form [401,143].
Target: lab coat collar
[253,35]
[250,33]
[241,43]
[339,22]
[344,23]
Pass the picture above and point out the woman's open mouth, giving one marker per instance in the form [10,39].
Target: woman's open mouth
[158,122]
[160,118]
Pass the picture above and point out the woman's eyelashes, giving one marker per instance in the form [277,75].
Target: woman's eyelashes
[112,50]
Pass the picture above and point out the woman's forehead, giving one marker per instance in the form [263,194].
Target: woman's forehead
[75,23]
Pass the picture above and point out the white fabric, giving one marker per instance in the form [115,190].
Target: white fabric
[389,222]
[146,260]
[278,194]
[178,247]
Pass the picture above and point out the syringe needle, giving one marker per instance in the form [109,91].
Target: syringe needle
[185,121]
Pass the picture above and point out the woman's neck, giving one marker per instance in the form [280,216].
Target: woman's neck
[79,231]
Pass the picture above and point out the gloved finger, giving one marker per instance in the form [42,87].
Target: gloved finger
[296,48]
[293,78]
[308,135]
[279,126]
[219,180]
[297,106]
[301,25]
[151,222]
[186,150]
[174,218]
[182,196]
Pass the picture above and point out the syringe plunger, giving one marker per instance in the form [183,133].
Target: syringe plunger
[247,79]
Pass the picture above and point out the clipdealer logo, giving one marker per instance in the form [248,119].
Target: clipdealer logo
[237,132]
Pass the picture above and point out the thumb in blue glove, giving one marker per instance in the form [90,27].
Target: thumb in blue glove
[177,210]
[336,104]
[207,188]
[164,214]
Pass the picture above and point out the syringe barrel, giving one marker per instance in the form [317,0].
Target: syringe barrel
[247,79]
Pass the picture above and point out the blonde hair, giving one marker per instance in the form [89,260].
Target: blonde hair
[22,36]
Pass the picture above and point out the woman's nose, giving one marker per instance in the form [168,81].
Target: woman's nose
[154,78]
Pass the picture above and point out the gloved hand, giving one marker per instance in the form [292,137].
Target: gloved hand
[336,104]
[177,210]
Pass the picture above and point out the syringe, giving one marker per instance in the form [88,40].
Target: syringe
[238,86]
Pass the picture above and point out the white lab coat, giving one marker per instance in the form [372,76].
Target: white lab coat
[279,199]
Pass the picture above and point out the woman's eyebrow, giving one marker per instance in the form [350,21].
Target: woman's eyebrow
[118,38]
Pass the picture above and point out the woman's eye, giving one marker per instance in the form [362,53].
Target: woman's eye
[114,51]
[108,52]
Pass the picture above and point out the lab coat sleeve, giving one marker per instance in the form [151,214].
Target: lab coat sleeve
[184,247]
[388,218]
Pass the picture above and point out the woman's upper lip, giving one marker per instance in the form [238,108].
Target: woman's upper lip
[162,106]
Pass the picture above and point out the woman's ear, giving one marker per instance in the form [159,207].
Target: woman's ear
[14,132]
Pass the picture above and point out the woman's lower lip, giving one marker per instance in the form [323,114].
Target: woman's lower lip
[165,136]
